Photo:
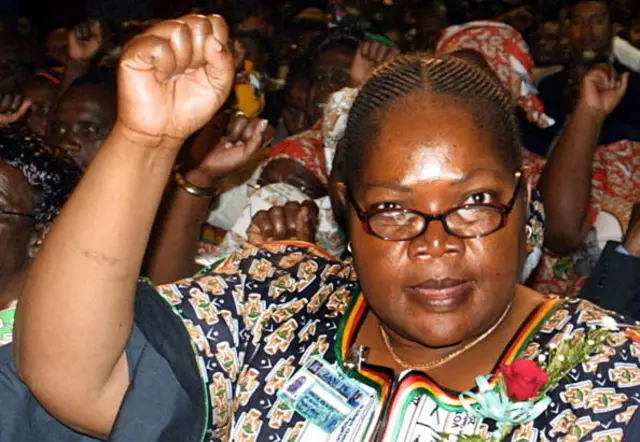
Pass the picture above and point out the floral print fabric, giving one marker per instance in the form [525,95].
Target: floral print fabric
[256,317]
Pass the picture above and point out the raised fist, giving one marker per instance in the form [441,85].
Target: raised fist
[219,156]
[369,56]
[85,40]
[174,77]
[12,108]
[291,221]
[602,89]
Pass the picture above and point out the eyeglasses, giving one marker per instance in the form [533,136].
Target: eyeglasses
[467,222]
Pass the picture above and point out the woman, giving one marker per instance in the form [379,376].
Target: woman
[267,321]
[33,186]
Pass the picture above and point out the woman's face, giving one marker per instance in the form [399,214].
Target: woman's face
[431,155]
[293,114]
[332,72]
[15,231]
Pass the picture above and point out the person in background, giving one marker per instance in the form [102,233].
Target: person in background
[291,114]
[250,86]
[84,115]
[618,265]
[34,184]
[426,19]
[18,58]
[591,32]
[42,91]
[437,228]
[588,187]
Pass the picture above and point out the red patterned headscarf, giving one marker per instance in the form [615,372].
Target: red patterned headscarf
[507,53]
[306,148]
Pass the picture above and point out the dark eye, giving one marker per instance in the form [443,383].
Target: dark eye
[481,198]
[56,128]
[89,130]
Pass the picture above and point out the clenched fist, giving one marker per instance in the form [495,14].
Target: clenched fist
[602,89]
[174,77]
[292,221]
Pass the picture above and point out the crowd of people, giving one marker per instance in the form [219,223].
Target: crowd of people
[396,221]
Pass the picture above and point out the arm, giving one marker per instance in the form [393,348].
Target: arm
[566,201]
[172,255]
[76,311]
[615,281]
[565,184]
[85,41]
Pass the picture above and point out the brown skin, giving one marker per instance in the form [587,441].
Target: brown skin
[423,170]
[632,238]
[368,56]
[292,221]
[293,114]
[590,31]
[42,94]
[16,232]
[182,70]
[12,108]
[332,72]
[566,201]
[172,252]
[81,120]
[283,170]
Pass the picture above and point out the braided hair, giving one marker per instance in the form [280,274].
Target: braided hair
[468,86]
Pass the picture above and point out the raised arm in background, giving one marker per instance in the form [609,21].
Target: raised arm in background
[172,252]
[76,312]
[565,184]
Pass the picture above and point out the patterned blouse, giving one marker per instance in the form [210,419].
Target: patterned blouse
[260,314]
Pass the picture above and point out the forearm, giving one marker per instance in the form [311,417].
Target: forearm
[565,184]
[76,311]
[172,254]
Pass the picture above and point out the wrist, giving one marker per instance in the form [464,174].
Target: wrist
[632,247]
[160,143]
[592,115]
[199,178]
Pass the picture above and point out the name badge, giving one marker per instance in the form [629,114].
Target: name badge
[325,396]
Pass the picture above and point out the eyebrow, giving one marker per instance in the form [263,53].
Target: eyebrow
[407,188]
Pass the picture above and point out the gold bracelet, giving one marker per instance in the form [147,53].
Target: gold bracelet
[192,189]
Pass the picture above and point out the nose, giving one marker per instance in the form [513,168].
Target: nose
[435,242]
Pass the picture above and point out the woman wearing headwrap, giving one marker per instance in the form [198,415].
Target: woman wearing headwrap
[33,187]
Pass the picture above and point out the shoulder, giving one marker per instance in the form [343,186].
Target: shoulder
[245,288]
[599,390]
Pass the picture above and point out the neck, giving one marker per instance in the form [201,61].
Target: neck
[410,354]
[10,287]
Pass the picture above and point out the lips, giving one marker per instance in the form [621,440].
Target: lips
[441,294]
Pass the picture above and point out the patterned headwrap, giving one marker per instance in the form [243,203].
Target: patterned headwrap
[507,53]
[305,148]
[51,178]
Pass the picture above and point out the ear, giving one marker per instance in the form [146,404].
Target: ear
[341,194]
[36,238]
